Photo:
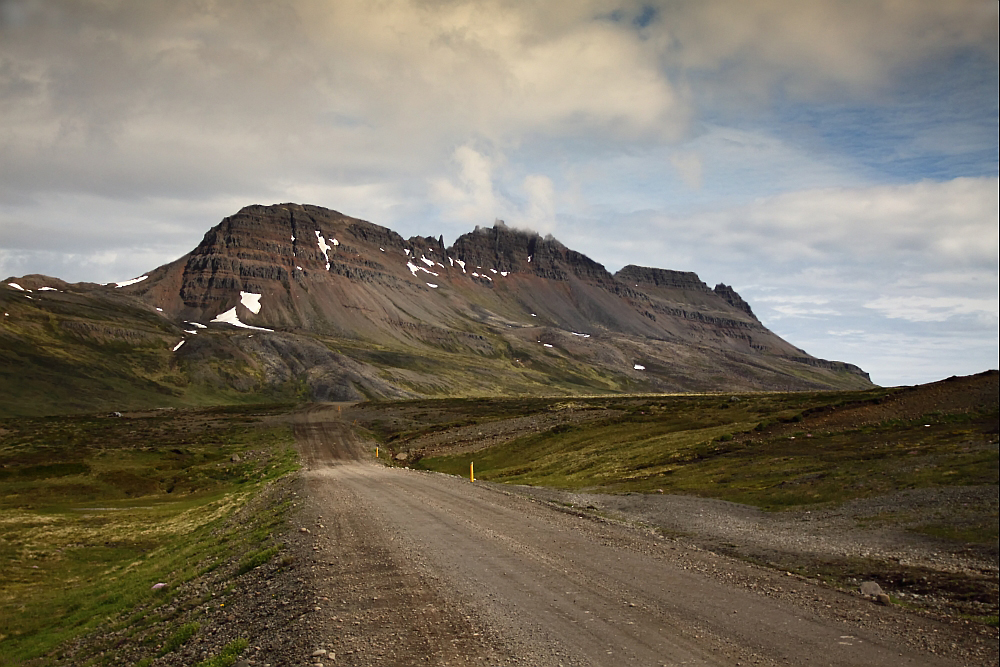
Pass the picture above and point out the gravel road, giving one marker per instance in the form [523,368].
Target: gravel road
[416,568]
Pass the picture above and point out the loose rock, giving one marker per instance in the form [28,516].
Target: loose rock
[871,589]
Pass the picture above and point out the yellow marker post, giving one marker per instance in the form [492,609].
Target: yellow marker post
[472,472]
[376,452]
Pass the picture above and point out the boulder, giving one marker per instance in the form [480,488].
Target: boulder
[871,589]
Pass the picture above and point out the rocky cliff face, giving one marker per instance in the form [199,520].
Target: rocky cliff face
[733,299]
[306,264]
[646,277]
[506,250]
[499,311]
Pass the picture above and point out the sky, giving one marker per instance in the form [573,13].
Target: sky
[835,161]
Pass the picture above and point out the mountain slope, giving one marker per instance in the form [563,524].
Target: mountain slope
[296,300]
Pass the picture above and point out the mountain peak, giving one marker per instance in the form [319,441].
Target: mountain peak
[512,250]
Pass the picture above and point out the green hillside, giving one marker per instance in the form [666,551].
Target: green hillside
[769,450]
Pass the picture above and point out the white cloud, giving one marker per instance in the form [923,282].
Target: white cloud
[187,99]
[477,194]
[934,309]
[470,197]
[794,299]
[941,225]
[598,73]
[817,48]
[540,213]
[798,311]
[688,166]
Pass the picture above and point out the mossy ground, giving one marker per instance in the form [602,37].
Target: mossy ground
[96,510]
[760,450]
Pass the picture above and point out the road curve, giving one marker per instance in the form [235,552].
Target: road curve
[423,568]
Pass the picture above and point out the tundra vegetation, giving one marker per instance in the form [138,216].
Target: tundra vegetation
[759,451]
[97,511]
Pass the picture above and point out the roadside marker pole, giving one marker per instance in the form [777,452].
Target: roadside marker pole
[472,472]
[376,452]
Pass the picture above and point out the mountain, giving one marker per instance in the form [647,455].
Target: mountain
[300,301]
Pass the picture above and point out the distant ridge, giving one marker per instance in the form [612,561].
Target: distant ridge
[303,299]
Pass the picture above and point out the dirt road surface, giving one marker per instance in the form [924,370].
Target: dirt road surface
[414,568]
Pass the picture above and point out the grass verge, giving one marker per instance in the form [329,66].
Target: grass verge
[136,507]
